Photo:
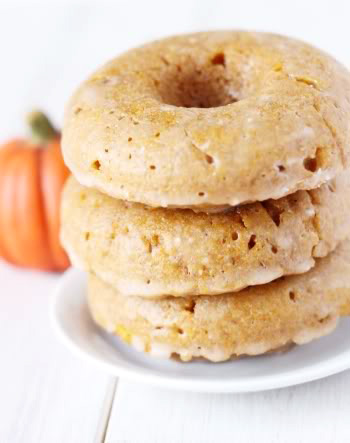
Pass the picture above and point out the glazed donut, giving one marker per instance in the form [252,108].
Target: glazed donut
[210,120]
[154,252]
[295,309]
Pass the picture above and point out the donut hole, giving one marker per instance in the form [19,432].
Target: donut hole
[219,59]
[209,159]
[273,211]
[331,187]
[252,242]
[324,319]
[292,296]
[312,164]
[190,306]
[96,165]
[191,84]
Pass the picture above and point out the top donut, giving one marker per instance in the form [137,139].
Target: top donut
[210,120]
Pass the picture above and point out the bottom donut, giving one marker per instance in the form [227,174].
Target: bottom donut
[259,319]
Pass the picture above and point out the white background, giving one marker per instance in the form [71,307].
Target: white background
[46,395]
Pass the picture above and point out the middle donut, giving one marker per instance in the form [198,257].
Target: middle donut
[154,252]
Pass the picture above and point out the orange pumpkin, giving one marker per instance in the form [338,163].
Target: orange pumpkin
[32,174]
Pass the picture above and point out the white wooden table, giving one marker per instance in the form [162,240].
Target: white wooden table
[46,394]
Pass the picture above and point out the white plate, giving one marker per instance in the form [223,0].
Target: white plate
[75,328]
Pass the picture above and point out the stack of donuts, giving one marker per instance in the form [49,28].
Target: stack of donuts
[210,197]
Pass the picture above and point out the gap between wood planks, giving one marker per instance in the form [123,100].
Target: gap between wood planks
[111,391]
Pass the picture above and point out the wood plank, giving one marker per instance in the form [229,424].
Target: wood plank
[46,394]
[312,413]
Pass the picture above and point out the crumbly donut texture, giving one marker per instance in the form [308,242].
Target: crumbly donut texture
[295,309]
[150,252]
[210,120]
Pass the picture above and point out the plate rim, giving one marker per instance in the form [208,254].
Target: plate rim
[315,372]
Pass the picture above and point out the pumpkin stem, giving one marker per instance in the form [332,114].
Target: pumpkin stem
[41,128]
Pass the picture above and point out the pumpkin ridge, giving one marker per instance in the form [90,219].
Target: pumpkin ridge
[28,212]
[5,156]
[40,165]
[8,200]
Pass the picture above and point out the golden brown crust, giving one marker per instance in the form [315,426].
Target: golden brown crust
[294,309]
[151,252]
[278,121]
